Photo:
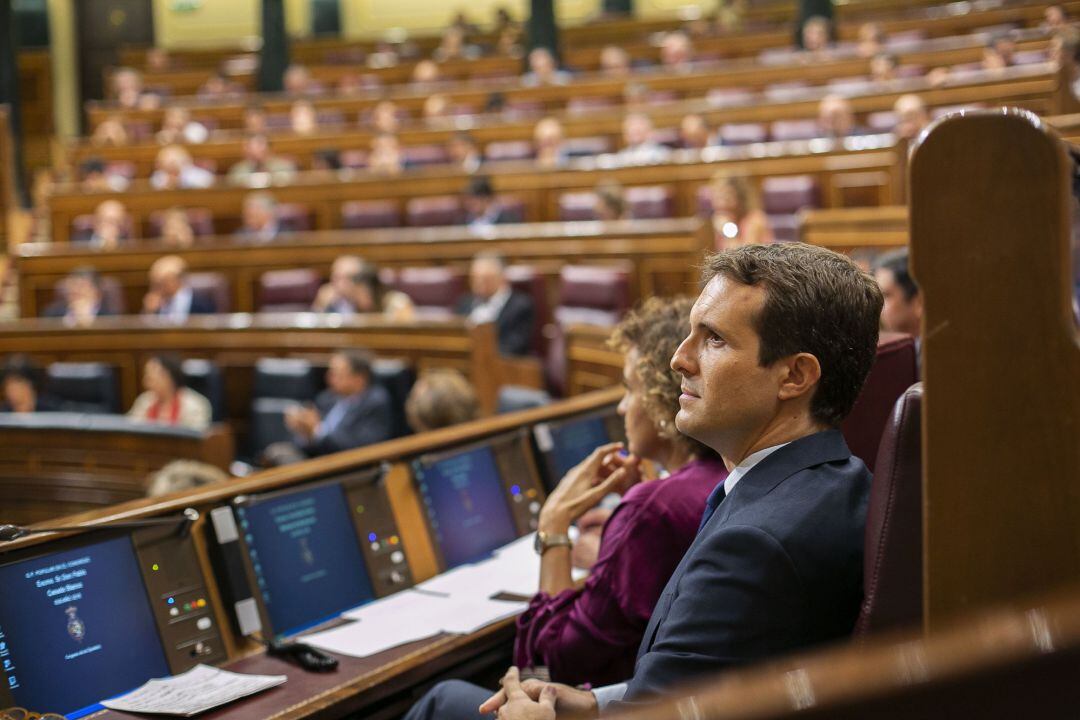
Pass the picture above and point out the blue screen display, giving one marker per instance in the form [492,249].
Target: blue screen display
[76,627]
[466,505]
[573,441]
[306,556]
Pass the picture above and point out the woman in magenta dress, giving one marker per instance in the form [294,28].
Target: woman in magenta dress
[590,634]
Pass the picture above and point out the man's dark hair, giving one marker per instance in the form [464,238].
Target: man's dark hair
[173,367]
[480,186]
[93,166]
[818,302]
[359,361]
[896,262]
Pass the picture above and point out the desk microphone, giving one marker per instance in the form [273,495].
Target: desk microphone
[183,521]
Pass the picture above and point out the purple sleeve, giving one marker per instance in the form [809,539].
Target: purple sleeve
[592,634]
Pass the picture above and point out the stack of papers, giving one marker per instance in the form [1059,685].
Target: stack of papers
[200,689]
[458,601]
[407,616]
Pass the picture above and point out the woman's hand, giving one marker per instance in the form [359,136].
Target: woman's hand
[604,471]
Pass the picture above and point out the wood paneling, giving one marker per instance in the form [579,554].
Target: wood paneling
[991,240]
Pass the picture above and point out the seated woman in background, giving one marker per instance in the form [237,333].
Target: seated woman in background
[21,381]
[737,216]
[441,398]
[592,634]
[167,399]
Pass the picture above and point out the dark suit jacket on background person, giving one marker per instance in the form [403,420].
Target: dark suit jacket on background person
[514,322]
[777,568]
[59,309]
[367,420]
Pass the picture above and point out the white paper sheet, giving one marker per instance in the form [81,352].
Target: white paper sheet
[407,616]
[199,689]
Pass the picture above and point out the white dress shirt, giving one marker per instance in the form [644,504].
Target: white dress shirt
[487,311]
[609,694]
[178,307]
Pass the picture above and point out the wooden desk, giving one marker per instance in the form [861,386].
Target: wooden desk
[744,43]
[380,686]
[858,171]
[236,342]
[663,253]
[54,464]
[848,229]
[225,147]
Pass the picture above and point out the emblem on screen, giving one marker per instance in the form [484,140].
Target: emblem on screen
[305,552]
[75,626]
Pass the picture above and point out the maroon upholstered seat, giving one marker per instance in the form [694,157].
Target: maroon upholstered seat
[783,197]
[525,279]
[589,103]
[726,97]
[892,563]
[585,146]
[435,210]
[794,130]
[200,218]
[424,155]
[508,150]
[288,290]
[649,201]
[431,288]
[894,370]
[577,206]
[513,208]
[213,285]
[353,159]
[294,217]
[742,133]
[357,214]
[595,294]
[82,228]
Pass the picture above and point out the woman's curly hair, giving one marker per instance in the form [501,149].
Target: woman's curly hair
[655,328]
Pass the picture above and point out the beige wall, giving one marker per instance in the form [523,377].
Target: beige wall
[364,18]
[213,22]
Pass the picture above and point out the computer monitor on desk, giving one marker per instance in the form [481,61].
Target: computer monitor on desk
[312,552]
[89,618]
[479,497]
[564,444]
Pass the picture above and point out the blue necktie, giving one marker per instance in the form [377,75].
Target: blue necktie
[711,503]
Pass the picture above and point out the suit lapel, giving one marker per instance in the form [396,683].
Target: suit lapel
[806,452]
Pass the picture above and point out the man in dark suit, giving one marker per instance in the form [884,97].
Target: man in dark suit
[493,300]
[170,295]
[350,413]
[482,206]
[81,299]
[781,339]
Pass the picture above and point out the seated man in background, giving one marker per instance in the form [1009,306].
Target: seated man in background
[175,170]
[352,412]
[21,384]
[111,225]
[355,287]
[781,339]
[543,69]
[676,51]
[483,206]
[548,142]
[260,222]
[694,132]
[81,300]
[836,117]
[441,398]
[903,308]
[260,167]
[639,147]
[912,117]
[493,300]
[464,152]
[170,296]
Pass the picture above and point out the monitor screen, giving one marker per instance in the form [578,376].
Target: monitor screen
[76,627]
[306,556]
[466,504]
[572,441]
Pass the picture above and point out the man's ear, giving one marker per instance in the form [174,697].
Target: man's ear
[801,377]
